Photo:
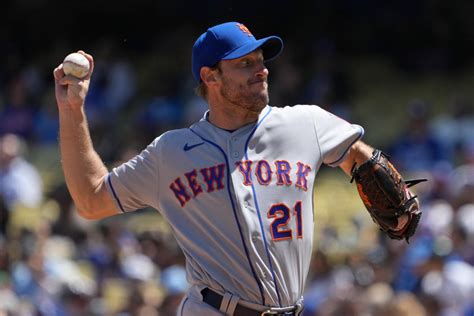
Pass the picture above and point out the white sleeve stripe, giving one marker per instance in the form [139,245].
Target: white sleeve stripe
[117,200]
[361,133]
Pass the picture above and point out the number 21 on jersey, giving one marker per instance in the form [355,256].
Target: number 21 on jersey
[281,215]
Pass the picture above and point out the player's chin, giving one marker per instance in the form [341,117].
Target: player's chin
[265,97]
[259,86]
[261,101]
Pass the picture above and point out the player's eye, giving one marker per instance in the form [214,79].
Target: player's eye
[245,62]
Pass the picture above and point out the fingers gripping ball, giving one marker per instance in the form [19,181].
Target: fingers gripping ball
[76,65]
[386,196]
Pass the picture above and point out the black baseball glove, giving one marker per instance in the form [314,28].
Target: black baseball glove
[386,196]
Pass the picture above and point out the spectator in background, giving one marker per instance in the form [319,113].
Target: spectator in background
[112,88]
[462,177]
[20,182]
[121,85]
[46,123]
[173,278]
[417,149]
[455,127]
[4,219]
[320,283]
[17,116]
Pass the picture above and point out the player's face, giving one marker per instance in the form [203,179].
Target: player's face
[244,81]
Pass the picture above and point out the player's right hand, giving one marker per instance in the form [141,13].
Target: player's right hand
[70,91]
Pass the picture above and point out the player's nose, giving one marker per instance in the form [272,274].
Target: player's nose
[262,70]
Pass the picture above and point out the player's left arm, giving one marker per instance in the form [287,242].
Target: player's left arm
[359,153]
[383,191]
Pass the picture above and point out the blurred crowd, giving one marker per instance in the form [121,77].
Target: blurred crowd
[53,263]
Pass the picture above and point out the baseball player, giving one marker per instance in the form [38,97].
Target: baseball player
[236,187]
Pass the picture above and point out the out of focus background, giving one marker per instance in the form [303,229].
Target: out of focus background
[402,69]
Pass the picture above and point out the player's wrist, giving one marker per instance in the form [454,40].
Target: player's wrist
[74,111]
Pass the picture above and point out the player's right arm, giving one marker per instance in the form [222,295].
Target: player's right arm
[83,169]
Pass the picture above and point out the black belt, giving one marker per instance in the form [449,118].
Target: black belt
[214,299]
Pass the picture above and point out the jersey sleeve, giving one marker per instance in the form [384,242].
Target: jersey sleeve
[134,184]
[334,135]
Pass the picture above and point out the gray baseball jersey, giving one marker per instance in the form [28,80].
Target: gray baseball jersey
[240,203]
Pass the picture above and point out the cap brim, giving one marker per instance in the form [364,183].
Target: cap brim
[271,46]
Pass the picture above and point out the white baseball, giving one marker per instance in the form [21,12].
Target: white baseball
[76,65]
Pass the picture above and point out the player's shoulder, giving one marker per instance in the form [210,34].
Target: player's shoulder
[296,108]
[173,140]
[173,136]
[297,111]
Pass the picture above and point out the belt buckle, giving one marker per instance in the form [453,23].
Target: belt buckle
[299,309]
[296,310]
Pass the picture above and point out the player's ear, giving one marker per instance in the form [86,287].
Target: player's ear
[208,75]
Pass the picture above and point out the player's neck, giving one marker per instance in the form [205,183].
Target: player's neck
[230,121]
[231,117]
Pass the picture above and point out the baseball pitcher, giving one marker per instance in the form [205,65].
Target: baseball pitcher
[237,186]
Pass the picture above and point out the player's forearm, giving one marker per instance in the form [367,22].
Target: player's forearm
[358,154]
[83,169]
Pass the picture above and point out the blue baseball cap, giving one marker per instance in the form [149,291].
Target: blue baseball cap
[229,41]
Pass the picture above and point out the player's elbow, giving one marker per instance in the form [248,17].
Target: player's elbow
[87,208]
[93,207]
[86,213]
[95,212]
[95,204]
